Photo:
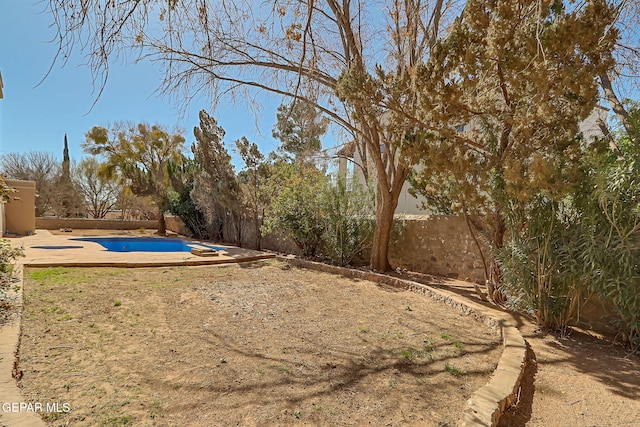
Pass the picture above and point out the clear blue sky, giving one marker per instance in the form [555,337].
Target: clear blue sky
[36,117]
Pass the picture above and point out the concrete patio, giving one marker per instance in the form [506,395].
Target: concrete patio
[89,254]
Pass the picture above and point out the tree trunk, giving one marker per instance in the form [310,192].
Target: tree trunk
[239,230]
[617,106]
[470,227]
[258,233]
[612,142]
[236,223]
[162,224]
[385,208]
[495,272]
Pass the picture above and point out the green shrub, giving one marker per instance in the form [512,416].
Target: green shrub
[559,252]
[537,277]
[607,236]
[349,220]
[296,206]
[7,255]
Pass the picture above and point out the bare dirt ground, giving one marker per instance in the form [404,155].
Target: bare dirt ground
[582,379]
[578,380]
[248,344]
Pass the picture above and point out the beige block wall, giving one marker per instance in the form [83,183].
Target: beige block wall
[438,244]
[277,242]
[273,242]
[20,210]
[175,224]
[96,224]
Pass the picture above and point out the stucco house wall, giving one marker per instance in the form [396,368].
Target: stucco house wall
[20,210]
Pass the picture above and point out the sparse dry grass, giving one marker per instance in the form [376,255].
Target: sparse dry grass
[251,344]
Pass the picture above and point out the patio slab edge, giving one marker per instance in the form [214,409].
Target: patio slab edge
[143,264]
[488,403]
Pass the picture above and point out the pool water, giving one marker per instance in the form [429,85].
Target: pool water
[145,244]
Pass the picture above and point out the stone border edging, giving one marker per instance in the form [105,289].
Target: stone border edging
[488,403]
[9,357]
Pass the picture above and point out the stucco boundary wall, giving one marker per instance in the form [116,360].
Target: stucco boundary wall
[175,224]
[97,224]
[440,245]
[487,404]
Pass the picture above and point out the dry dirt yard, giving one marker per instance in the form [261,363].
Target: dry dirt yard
[248,344]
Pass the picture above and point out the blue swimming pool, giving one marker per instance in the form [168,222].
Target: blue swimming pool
[145,244]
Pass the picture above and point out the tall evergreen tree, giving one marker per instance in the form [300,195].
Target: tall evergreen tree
[253,182]
[68,201]
[508,88]
[216,190]
[299,128]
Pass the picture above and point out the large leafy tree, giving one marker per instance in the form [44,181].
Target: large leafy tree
[354,60]
[508,88]
[38,166]
[141,155]
[100,193]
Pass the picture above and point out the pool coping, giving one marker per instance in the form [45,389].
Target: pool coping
[489,402]
[144,264]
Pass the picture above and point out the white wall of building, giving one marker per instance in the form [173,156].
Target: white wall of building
[409,205]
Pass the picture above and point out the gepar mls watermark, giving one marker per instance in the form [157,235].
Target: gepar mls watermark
[37,407]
